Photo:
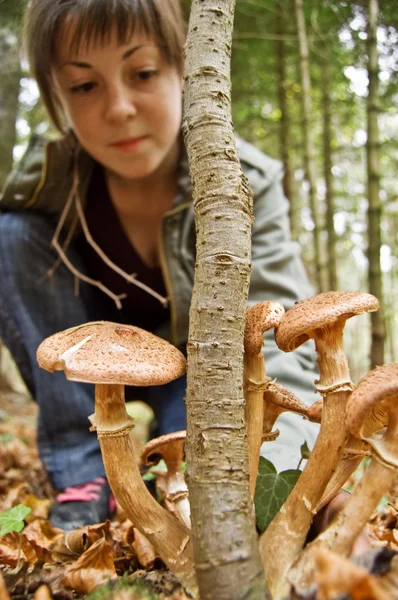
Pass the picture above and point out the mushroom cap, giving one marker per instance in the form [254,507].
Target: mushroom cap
[155,450]
[368,409]
[260,318]
[105,352]
[317,312]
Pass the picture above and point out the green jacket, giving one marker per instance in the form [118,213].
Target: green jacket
[42,182]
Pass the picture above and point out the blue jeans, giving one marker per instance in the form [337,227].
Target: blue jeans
[32,307]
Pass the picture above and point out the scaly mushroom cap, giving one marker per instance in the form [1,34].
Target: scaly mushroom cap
[372,405]
[317,312]
[155,450]
[260,318]
[104,352]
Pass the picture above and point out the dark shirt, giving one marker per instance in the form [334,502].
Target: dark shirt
[138,308]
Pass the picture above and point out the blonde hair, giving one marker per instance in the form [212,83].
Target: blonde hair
[94,20]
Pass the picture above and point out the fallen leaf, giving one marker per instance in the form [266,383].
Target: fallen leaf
[94,568]
[143,548]
[39,507]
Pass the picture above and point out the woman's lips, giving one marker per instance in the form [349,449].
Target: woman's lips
[128,144]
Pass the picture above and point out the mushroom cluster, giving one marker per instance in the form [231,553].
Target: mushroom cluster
[321,318]
[372,416]
[353,422]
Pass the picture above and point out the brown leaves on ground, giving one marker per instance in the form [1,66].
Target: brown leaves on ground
[44,563]
[54,565]
[94,568]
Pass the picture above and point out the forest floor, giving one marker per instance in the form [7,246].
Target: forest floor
[58,566]
[43,563]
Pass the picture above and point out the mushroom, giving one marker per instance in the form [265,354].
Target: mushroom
[375,400]
[353,453]
[277,399]
[321,318]
[170,448]
[337,576]
[259,319]
[111,356]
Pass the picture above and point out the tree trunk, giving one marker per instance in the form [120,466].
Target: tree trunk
[225,541]
[309,149]
[9,90]
[285,121]
[374,210]
[327,164]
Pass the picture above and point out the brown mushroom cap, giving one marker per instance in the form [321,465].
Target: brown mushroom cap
[260,318]
[371,403]
[317,312]
[155,450]
[104,352]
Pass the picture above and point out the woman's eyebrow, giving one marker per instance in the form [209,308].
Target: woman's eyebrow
[85,65]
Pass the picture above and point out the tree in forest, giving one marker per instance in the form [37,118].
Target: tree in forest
[375,207]
[285,119]
[10,15]
[309,147]
[327,169]
[224,536]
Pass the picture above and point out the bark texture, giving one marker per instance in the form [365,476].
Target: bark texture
[9,90]
[374,211]
[327,165]
[288,181]
[309,148]
[227,560]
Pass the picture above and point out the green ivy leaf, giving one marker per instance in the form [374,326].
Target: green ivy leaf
[272,489]
[13,519]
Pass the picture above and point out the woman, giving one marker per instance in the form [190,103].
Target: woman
[112,198]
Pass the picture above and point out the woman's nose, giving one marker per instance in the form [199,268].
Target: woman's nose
[120,105]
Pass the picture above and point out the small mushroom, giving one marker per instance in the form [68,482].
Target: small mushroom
[111,356]
[375,400]
[277,399]
[170,448]
[321,318]
[259,319]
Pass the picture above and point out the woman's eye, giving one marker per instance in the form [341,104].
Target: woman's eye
[145,75]
[83,88]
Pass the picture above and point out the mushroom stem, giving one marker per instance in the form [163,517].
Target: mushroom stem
[177,489]
[286,534]
[354,452]
[348,523]
[255,381]
[259,318]
[169,537]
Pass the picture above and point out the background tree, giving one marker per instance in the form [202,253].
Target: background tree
[309,146]
[375,207]
[10,17]
[285,138]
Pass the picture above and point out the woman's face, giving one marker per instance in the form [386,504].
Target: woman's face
[124,104]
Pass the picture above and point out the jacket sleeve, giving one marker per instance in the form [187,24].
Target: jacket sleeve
[278,274]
